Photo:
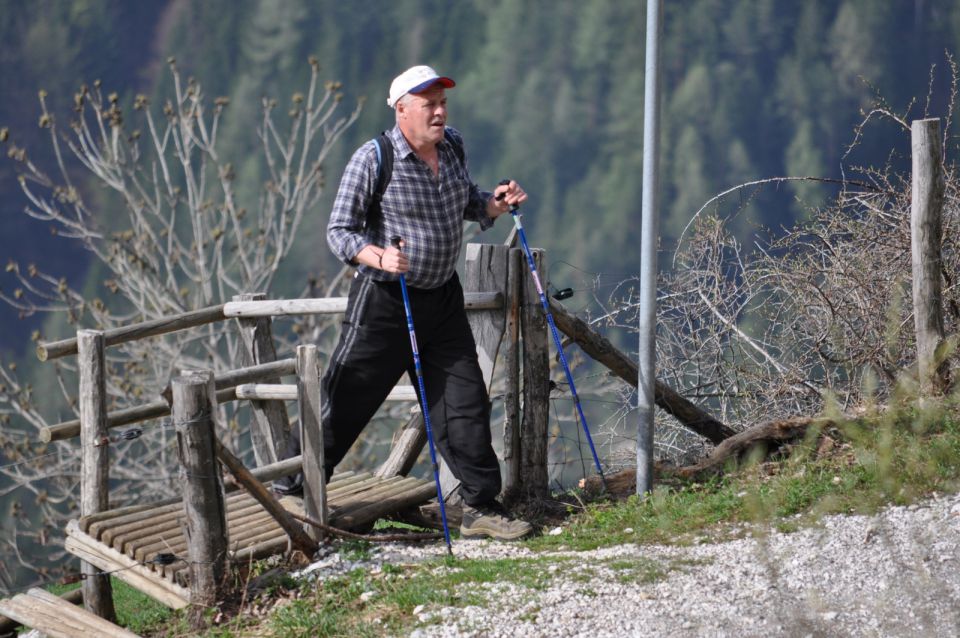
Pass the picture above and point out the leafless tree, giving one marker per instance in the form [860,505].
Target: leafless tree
[797,321]
[170,235]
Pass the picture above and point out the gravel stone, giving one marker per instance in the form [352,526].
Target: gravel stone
[890,574]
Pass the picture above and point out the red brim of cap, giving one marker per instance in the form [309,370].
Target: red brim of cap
[423,86]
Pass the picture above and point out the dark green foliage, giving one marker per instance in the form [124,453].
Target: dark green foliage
[549,93]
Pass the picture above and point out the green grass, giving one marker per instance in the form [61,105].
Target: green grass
[335,608]
[896,459]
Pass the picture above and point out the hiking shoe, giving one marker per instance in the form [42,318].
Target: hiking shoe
[493,521]
[280,490]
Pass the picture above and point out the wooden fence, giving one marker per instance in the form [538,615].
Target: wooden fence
[502,301]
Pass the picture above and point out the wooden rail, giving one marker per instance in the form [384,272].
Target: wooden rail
[288,392]
[333,305]
[47,613]
[602,351]
[224,384]
[66,347]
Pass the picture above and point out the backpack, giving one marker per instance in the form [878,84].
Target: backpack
[385,171]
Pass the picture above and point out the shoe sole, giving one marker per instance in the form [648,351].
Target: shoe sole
[477,534]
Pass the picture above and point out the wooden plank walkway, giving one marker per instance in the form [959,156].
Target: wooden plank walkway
[128,540]
[41,610]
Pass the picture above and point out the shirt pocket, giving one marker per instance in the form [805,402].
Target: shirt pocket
[456,188]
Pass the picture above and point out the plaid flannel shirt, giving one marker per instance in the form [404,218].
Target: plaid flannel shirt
[426,211]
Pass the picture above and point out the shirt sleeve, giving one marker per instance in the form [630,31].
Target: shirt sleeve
[345,230]
[476,208]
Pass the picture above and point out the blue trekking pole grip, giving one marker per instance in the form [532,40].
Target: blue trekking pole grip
[396,242]
[553,329]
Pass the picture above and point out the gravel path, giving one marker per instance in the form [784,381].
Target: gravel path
[893,574]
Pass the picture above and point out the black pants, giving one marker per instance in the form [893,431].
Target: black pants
[373,353]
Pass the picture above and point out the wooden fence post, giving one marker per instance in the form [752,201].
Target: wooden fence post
[511,362]
[925,237]
[536,387]
[95,454]
[203,501]
[311,437]
[485,270]
[269,426]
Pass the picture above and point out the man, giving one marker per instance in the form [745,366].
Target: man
[426,200]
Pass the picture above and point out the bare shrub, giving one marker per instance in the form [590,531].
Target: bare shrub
[155,204]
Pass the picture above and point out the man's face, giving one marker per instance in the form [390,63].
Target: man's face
[424,115]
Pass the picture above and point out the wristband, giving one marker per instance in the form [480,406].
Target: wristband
[380,257]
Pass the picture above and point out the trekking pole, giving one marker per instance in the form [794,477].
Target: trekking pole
[423,401]
[553,329]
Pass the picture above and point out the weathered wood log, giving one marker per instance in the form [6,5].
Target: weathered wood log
[536,388]
[268,473]
[311,436]
[224,384]
[601,350]
[95,458]
[768,437]
[125,568]
[485,270]
[511,397]
[92,523]
[270,425]
[56,349]
[9,626]
[203,498]
[46,612]
[331,305]
[65,347]
[926,221]
[298,537]
[288,392]
[389,502]
[407,444]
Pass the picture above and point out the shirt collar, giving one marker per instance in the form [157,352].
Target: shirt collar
[401,147]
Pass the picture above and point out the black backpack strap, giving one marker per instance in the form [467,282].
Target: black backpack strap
[456,144]
[384,149]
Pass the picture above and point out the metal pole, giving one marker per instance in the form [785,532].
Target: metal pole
[648,250]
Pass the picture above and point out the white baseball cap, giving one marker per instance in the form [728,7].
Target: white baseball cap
[415,80]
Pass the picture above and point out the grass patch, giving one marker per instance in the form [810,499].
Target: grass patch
[869,464]
[638,570]
[366,604]
[894,460]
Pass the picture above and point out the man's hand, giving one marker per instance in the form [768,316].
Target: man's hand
[504,197]
[388,259]
[394,261]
